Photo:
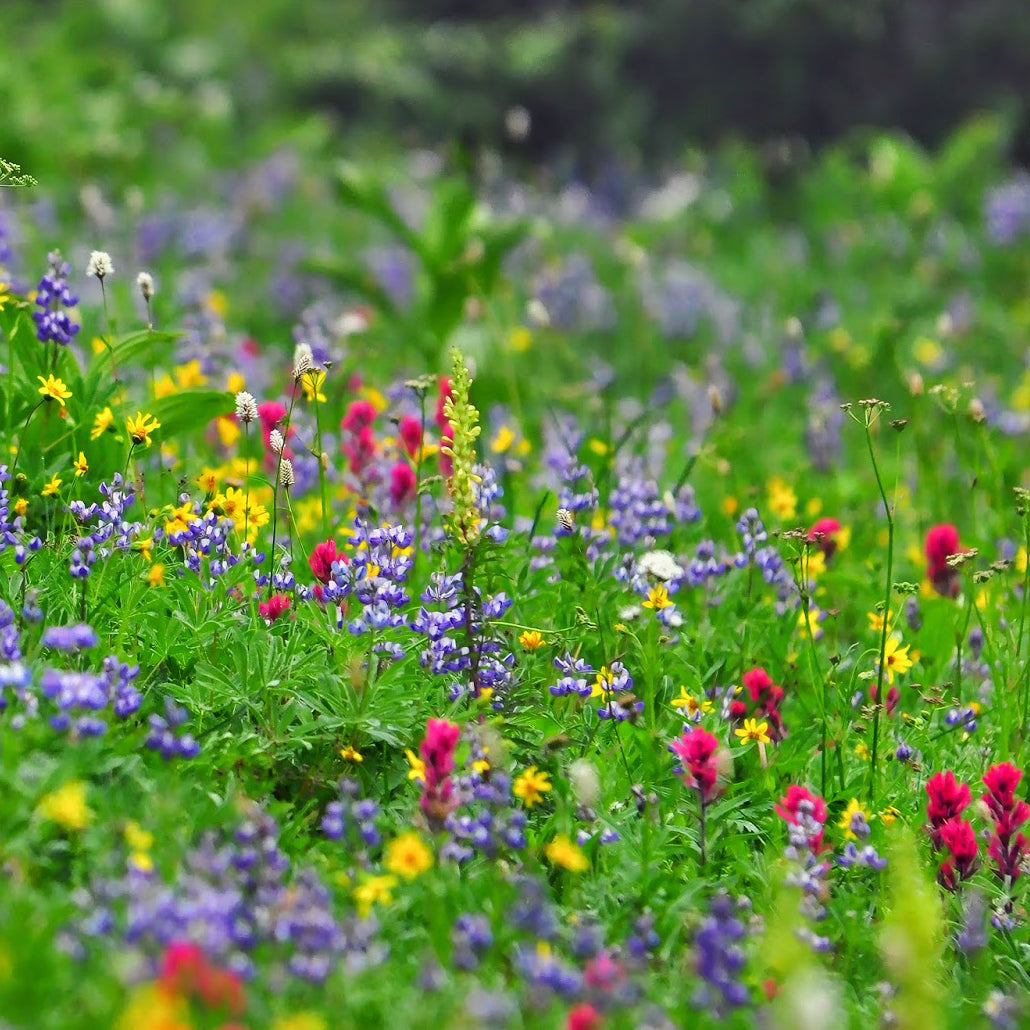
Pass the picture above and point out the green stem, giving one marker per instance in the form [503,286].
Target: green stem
[886,617]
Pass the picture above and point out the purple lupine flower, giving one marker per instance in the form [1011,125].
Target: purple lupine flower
[70,639]
[719,958]
[55,300]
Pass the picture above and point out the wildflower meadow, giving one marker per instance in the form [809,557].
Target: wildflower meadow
[435,595]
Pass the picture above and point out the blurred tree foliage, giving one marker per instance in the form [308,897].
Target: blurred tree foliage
[200,80]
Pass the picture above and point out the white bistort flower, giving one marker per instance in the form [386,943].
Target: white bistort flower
[100,264]
[246,407]
[145,282]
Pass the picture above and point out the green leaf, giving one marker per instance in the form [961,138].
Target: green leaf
[187,412]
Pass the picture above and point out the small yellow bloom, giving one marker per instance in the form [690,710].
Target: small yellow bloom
[137,838]
[351,754]
[520,339]
[374,891]
[80,465]
[142,861]
[531,786]
[67,806]
[21,506]
[531,640]
[783,502]
[228,432]
[888,815]
[54,389]
[853,809]
[896,658]
[862,751]
[180,518]
[208,481]
[658,599]
[301,1021]
[53,486]
[729,506]
[408,856]
[753,730]
[140,428]
[164,387]
[217,303]
[561,851]
[156,575]
[235,383]
[598,447]
[311,384]
[603,685]
[417,767]
[876,621]
[102,423]
[502,441]
[190,375]
[153,1008]
[693,705]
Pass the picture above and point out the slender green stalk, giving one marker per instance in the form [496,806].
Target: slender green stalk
[323,482]
[878,706]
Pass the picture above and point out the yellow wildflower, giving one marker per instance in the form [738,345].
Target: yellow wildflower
[156,575]
[21,506]
[693,705]
[301,1021]
[888,815]
[561,851]
[502,441]
[531,786]
[417,767]
[783,502]
[374,891]
[190,375]
[531,640]
[53,486]
[849,813]
[67,806]
[180,518]
[896,658]
[351,754]
[54,389]
[102,423]
[408,856]
[208,481]
[164,387]
[311,384]
[80,465]
[140,428]
[658,599]
[753,730]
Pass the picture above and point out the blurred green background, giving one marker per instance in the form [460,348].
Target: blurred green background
[182,83]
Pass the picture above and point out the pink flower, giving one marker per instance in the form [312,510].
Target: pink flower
[444,395]
[959,839]
[360,415]
[941,543]
[402,483]
[410,430]
[697,750]
[274,607]
[437,752]
[1008,847]
[322,558]
[824,535]
[790,807]
[948,799]
[584,1017]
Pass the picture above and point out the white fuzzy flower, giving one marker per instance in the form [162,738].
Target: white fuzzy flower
[585,782]
[303,360]
[145,282]
[246,408]
[100,264]
[660,565]
[286,476]
[276,441]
